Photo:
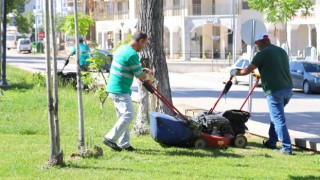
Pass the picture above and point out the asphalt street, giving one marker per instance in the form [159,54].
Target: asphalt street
[201,90]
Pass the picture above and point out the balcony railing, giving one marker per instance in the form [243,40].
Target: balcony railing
[209,9]
[175,11]
[114,16]
[200,10]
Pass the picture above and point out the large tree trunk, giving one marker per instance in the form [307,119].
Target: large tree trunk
[151,21]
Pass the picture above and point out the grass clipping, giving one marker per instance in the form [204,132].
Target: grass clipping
[88,153]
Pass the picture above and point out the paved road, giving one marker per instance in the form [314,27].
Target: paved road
[201,90]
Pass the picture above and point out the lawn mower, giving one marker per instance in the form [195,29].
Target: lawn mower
[210,128]
[183,131]
[231,122]
[67,77]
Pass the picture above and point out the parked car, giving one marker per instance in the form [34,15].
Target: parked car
[106,55]
[241,64]
[24,44]
[305,75]
[12,39]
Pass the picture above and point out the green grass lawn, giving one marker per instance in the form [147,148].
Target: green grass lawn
[25,146]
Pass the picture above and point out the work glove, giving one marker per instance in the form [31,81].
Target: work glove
[147,70]
[256,75]
[149,74]
[149,77]
[233,72]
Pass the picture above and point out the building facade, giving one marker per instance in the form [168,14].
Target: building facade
[193,29]
[199,29]
[301,32]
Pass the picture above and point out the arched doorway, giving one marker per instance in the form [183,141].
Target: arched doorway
[211,41]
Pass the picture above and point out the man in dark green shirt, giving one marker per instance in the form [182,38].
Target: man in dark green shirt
[273,65]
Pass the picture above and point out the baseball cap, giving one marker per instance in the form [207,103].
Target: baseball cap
[261,36]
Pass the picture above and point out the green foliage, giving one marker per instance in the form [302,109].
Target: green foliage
[59,22]
[37,79]
[25,21]
[14,5]
[98,60]
[84,22]
[281,10]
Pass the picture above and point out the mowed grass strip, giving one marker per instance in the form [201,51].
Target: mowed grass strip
[25,147]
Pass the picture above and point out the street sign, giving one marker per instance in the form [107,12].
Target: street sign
[40,35]
[250,29]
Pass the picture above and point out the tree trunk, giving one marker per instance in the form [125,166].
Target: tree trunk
[56,157]
[58,152]
[81,145]
[151,21]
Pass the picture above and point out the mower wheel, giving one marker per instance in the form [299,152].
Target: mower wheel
[240,141]
[200,144]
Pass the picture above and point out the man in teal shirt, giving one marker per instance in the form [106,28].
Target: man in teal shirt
[84,54]
[125,66]
[273,65]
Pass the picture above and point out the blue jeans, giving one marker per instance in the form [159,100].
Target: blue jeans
[125,114]
[278,128]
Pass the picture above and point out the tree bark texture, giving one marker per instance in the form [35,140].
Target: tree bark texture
[152,56]
[55,157]
[58,152]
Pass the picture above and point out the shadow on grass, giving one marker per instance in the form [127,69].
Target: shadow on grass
[209,152]
[77,166]
[214,153]
[295,149]
[303,177]
[20,86]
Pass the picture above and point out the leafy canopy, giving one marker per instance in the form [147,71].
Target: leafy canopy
[25,21]
[281,10]
[84,22]
[14,5]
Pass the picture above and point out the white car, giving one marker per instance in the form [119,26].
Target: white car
[241,64]
[12,39]
[24,44]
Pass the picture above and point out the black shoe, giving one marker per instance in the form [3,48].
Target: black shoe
[130,148]
[111,144]
[282,152]
[266,144]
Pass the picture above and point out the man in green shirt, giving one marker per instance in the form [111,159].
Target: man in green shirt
[125,66]
[273,65]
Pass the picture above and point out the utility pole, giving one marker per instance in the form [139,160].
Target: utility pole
[234,33]
[3,81]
